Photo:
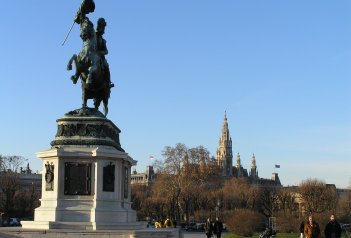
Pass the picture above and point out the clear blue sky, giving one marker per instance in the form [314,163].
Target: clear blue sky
[281,69]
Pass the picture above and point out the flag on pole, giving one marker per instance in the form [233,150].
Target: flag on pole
[277,166]
[87,6]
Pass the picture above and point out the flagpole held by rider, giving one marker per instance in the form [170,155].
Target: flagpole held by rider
[86,7]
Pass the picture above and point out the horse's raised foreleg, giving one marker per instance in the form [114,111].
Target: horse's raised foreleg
[69,65]
[74,77]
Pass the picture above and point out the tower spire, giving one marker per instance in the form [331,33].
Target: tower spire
[224,152]
[253,161]
[238,160]
[253,172]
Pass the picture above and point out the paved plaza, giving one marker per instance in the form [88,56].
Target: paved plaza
[191,234]
[194,234]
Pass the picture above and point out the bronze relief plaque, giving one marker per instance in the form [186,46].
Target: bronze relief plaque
[77,178]
[109,178]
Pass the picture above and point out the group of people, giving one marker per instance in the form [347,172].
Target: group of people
[166,224]
[311,229]
[213,228]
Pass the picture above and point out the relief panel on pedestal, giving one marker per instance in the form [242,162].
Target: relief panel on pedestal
[77,178]
[109,178]
[49,176]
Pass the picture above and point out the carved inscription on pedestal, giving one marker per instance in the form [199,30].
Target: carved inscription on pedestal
[77,178]
[109,178]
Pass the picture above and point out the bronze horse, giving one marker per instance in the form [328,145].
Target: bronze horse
[90,69]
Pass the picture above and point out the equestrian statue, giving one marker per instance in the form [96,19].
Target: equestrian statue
[90,64]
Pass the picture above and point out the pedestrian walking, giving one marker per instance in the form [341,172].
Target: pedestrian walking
[218,228]
[208,228]
[311,229]
[333,228]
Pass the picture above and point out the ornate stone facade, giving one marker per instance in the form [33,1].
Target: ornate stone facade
[224,154]
[224,159]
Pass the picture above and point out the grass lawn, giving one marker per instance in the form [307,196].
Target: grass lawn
[279,235]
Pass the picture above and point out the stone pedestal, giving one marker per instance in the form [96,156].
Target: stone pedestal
[86,177]
[14,232]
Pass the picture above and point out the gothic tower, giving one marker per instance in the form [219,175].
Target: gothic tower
[224,152]
[253,173]
[238,166]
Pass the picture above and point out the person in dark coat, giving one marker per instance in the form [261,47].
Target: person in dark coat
[208,228]
[333,228]
[218,228]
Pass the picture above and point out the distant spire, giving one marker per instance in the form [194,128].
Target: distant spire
[254,172]
[238,160]
[253,161]
[225,130]
[224,151]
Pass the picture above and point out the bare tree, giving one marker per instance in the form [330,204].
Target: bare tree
[162,195]
[183,179]
[141,200]
[238,193]
[11,163]
[268,200]
[286,198]
[26,200]
[9,181]
[318,196]
[9,184]
[172,175]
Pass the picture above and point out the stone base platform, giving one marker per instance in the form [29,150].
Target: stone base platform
[67,233]
[82,226]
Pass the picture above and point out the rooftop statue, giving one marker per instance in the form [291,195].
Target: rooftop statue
[90,64]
